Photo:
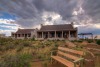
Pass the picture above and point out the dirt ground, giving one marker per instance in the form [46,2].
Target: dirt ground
[36,64]
[56,64]
[39,64]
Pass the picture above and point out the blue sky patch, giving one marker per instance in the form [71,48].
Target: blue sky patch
[5,15]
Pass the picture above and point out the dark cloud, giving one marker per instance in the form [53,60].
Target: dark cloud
[62,7]
[29,9]
[92,9]
[30,13]
[49,19]
[88,29]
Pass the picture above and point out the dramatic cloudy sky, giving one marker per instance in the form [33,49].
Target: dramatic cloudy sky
[16,14]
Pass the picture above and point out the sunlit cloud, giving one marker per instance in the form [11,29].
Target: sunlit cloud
[7,26]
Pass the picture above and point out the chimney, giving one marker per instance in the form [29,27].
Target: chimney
[72,23]
[41,25]
[36,29]
[18,28]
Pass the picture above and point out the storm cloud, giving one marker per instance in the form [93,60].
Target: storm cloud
[92,9]
[31,13]
[34,9]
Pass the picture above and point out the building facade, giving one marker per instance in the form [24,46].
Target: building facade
[49,32]
[24,34]
[57,32]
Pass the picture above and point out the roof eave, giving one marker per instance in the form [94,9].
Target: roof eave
[58,30]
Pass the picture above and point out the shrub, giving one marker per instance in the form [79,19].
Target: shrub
[19,60]
[56,45]
[89,41]
[20,48]
[26,43]
[16,42]
[80,41]
[33,39]
[98,42]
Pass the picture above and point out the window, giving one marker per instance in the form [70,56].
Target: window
[18,35]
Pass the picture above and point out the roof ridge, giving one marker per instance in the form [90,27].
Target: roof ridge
[26,29]
[57,25]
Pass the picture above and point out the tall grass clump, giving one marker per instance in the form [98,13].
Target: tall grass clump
[3,40]
[18,60]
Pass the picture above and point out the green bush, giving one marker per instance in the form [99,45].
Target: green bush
[16,42]
[80,41]
[89,40]
[98,42]
[33,39]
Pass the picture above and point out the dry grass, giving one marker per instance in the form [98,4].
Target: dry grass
[39,50]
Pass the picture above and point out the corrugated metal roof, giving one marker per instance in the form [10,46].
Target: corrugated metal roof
[57,27]
[24,31]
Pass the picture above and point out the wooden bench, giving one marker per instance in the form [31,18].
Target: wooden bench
[68,57]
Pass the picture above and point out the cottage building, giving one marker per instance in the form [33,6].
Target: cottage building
[57,32]
[24,34]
